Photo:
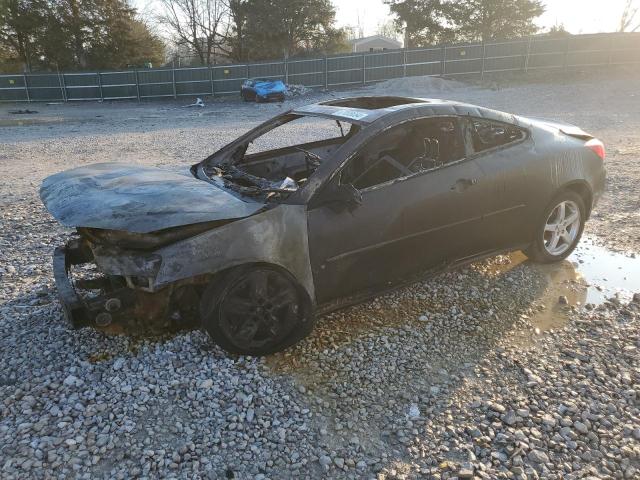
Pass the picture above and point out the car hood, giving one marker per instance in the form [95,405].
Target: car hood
[133,198]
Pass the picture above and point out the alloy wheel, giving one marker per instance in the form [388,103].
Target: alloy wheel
[562,227]
[260,310]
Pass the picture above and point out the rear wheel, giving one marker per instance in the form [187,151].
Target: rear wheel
[256,311]
[560,230]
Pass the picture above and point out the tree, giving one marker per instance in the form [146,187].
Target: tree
[558,30]
[277,28]
[485,20]
[75,34]
[98,34]
[202,25]
[387,29]
[238,12]
[129,43]
[21,24]
[424,22]
[628,17]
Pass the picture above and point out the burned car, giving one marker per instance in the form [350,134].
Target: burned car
[261,236]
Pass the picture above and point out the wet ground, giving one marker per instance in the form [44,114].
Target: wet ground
[591,276]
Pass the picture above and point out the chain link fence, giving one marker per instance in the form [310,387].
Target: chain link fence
[327,72]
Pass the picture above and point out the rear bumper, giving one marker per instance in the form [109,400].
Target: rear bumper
[80,311]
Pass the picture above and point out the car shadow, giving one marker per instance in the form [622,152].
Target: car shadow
[379,374]
[380,377]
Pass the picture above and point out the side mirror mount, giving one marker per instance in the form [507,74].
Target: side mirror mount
[342,197]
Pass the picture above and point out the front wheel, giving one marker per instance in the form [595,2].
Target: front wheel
[559,232]
[256,311]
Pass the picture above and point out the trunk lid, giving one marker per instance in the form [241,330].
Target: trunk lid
[139,199]
[565,128]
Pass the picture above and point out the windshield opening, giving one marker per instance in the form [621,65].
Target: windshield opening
[281,157]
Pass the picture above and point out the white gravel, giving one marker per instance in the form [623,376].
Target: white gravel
[449,377]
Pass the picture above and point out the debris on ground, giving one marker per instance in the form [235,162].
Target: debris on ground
[25,111]
[297,90]
[198,103]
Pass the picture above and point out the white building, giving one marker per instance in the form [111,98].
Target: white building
[374,43]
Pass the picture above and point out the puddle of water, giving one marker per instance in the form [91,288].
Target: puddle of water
[606,272]
[592,274]
[564,281]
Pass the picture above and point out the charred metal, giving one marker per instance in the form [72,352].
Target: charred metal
[251,241]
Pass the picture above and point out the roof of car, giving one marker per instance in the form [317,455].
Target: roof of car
[366,110]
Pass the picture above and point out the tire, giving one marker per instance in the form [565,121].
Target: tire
[241,314]
[542,249]
[244,97]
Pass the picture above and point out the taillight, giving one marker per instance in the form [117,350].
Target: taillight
[597,147]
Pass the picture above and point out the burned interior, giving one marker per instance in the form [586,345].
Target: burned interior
[404,150]
[265,165]
[253,240]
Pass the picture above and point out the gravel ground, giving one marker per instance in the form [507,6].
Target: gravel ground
[477,372]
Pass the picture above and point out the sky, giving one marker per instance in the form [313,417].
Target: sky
[578,16]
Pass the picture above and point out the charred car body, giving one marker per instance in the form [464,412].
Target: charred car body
[259,236]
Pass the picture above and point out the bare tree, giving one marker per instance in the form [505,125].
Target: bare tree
[628,17]
[202,25]
[387,29]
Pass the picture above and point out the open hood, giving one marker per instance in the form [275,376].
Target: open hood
[133,198]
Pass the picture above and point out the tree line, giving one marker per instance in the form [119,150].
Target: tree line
[243,30]
[74,34]
[440,21]
[103,34]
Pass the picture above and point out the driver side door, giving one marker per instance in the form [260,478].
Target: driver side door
[409,218]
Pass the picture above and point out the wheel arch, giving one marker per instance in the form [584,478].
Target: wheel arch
[277,236]
[220,275]
[583,190]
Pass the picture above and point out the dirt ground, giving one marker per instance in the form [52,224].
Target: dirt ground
[486,390]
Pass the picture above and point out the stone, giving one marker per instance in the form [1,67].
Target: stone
[206,384]
[538,457]
[510,418]
[581,427]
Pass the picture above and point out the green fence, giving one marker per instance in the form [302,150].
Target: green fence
[327,72]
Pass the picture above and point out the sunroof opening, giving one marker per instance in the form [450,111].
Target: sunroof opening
[372,103]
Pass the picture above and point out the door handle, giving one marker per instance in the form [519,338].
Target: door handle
[464,183]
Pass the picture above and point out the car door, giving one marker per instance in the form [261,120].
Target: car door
[407,221]
[514,180]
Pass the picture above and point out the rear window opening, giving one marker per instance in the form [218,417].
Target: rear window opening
[487,134]
[373,103]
